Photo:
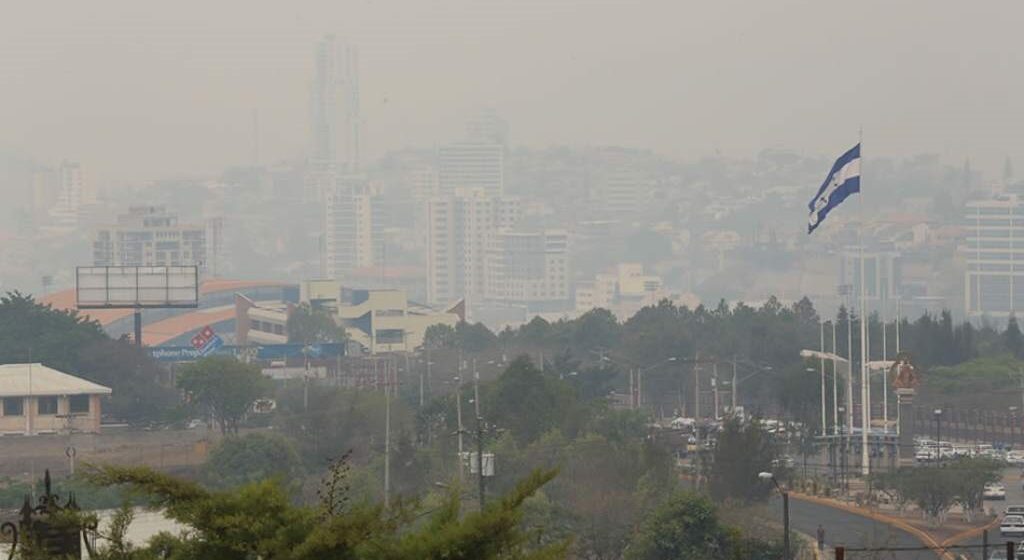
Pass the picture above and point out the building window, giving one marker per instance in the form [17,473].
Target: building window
[14,406]
[47,406]
[78,404]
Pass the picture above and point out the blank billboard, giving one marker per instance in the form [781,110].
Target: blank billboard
[100,287]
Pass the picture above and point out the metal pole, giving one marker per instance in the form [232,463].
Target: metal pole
[458,417]
[734,385]
[835,384]
[785,518]
[476,389]
[387,436]
[138,326]
[714,384]
[696,390]
[632,390]
[885,381]
[849,369]
[480,459]
[824,412]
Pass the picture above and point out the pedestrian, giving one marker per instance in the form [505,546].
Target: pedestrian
[821,538]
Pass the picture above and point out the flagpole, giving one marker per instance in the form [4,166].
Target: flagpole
[865,405]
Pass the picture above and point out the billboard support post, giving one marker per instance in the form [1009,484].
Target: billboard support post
[138,326]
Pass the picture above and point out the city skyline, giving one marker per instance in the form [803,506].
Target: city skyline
[694,83]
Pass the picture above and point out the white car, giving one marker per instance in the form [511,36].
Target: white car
[1014,510]
[994,491]
[1012,525]
[1015,457]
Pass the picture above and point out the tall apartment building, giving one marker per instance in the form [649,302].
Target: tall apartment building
[459,230]
[994,280]
[471,166]
[349,231]
[881,274]
[59,194]
[528,268]
[335,117]
[149,236]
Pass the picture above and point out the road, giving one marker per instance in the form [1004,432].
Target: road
[852,531]
[1014,496]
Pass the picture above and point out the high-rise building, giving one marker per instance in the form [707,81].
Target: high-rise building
[335,107]
[528,268]
[881,274]
[460,227]
[69,197]
[994,282]
[349,239]
[487,128]
[471,166]
[149,236]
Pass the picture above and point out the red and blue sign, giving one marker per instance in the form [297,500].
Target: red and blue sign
[206,341]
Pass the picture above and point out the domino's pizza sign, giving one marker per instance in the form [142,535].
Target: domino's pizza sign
[206,341]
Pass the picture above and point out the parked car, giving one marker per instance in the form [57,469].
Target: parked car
[994,491]
[1014,510]
[1012,526]
[1015,457]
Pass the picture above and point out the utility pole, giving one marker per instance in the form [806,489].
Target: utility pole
[387,435]
[734,384]
[458,416]
[714,385]
[476,389]
[696,389]
[480,459]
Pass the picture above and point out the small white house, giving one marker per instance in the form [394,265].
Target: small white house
[36,399]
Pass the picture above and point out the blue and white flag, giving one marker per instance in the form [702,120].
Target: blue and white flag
[842,181]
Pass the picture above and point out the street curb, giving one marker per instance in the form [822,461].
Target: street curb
[964,535]
[922,536]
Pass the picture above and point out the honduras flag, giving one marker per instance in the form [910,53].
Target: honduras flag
[842,181]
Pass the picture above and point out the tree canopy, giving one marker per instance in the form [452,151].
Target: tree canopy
[224,388]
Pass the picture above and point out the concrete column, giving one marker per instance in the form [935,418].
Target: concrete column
[905,441]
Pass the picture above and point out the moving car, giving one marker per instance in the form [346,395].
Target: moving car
[994,491]
[1012,526]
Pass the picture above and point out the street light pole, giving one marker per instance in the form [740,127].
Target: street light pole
[824,412]
[785,512]
[938,434]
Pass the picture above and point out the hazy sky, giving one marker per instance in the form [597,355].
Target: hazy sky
[139,90]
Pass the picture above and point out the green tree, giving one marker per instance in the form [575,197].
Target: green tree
[1012,340]
[251,458]
[71,343]
[258,520]
[528,403]
[223,387]
[741,452]
[307,325]
[687,526]
[439,336]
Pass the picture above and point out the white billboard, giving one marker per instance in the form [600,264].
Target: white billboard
[100,287]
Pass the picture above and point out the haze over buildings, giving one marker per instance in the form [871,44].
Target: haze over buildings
[621,156]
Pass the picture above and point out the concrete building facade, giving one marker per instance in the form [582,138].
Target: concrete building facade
[149,236]
[36,399]
[528,268]
[459,230]
[994,250]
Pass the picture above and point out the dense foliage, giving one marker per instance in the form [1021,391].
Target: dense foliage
[686,526]
[258,520]
[307,325]
[70,343]
[224,388]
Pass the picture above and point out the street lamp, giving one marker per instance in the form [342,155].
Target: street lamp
[938,434]
[785,512]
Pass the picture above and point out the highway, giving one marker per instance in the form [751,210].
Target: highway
[852,531]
